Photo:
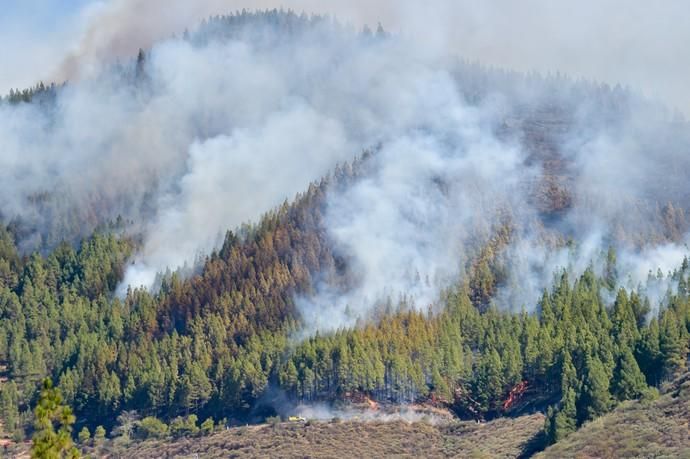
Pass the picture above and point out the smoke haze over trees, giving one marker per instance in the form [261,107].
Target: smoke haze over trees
[276,202]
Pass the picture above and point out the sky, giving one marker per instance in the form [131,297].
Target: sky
[637,43]
[35,35]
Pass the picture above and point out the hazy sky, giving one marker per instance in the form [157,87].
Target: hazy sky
[639,43]
[35,35]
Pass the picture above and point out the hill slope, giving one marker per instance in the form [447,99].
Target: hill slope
[643,428]
[501,438]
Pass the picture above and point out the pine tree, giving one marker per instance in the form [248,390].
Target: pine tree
[490,383]
[671,344]
[9,406]
[289,377]
[84,435]
[47,443]
[610,271]
[648,353]
[595,398]
[628,382]
[641,308]
[569,379]
[197,387]
[99,434]
[562,421]
[207,426]
[139,71]
[624,330]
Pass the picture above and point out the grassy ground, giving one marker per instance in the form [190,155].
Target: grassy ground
[645,429]
[500,438]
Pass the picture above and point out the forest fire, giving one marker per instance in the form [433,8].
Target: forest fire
[288,219]
[362,399]
[372,404]
[514,394]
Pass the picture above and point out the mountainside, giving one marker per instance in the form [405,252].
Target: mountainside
[504,438]
[644,428]
[278,215]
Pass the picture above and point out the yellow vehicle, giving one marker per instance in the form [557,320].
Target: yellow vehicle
[296,419]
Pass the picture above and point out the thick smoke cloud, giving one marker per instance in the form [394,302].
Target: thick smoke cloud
[212,135]
[631,42]
[228,182]
[406,227]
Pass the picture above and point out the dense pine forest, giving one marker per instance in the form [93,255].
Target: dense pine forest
[214,344]
[223,342]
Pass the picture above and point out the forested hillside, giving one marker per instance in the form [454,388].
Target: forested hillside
[654,426]
[214,344]
[225,340]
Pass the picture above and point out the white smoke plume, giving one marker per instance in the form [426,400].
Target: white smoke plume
[531,267]
[214,134]
[405,227]
[400,413]
[631,42]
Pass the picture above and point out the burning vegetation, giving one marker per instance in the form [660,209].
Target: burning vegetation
[503,244]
